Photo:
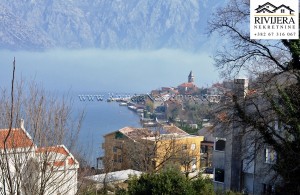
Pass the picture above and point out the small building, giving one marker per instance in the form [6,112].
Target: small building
[147,150]
[153,102]
[30,166]
[112,178]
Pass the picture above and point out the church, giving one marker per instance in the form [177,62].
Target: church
[188,88]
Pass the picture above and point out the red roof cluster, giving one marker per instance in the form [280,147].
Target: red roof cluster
[17,138]
[188,85]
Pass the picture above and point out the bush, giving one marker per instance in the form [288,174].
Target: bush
[169,181]
[203,186]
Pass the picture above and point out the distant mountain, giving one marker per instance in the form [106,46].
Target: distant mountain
[15,34]
[122,24]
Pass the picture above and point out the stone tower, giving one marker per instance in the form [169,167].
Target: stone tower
[191,77]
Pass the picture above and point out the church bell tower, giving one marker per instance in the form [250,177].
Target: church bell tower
[191,77]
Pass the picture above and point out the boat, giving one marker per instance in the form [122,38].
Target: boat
[149,124]
[140,110]
[132,108]
[123,104]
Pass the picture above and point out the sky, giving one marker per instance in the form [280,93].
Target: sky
[95,70]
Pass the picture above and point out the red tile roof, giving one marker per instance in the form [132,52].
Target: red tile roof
[136,133]
[188,85]
[222,116]
[251,92]
[170,129]
[18,138]
[59,163]
[55,149]
[69,159]
[219,85]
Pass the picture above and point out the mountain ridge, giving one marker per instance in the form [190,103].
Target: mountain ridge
[115,24]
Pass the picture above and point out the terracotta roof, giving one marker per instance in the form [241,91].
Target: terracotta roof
[60,149]
[140,133]
[59,163]
[222,116]
[172,101]
[136,133]
[189,85]
[251,92]
[217,85]
[174,129]
[71,161]
[55,149]
[18,138]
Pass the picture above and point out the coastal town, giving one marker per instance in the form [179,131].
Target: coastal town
[186,105]
[163,97]
[181,126]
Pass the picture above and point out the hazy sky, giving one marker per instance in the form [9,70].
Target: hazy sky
[94,70]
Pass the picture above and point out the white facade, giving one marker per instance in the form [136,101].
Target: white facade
[30,166]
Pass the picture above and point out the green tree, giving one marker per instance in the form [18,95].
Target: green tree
[169,181]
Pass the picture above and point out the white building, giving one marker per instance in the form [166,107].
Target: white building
[29,169]
[114,177]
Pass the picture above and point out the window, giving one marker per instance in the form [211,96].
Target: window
[268,189]
[270,155]
[219,175]
[115,158]
[115,149]
[153,164]
[278,125]
[194,164]
[193,146]
[120,159]
[184,147]
[203,149]
[282,10]
[118,135]
[220,144]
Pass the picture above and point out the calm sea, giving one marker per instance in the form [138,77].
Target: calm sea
[101,117]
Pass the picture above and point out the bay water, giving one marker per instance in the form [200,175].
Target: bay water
[101,118]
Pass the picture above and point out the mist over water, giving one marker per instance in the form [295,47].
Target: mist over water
[130,71]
